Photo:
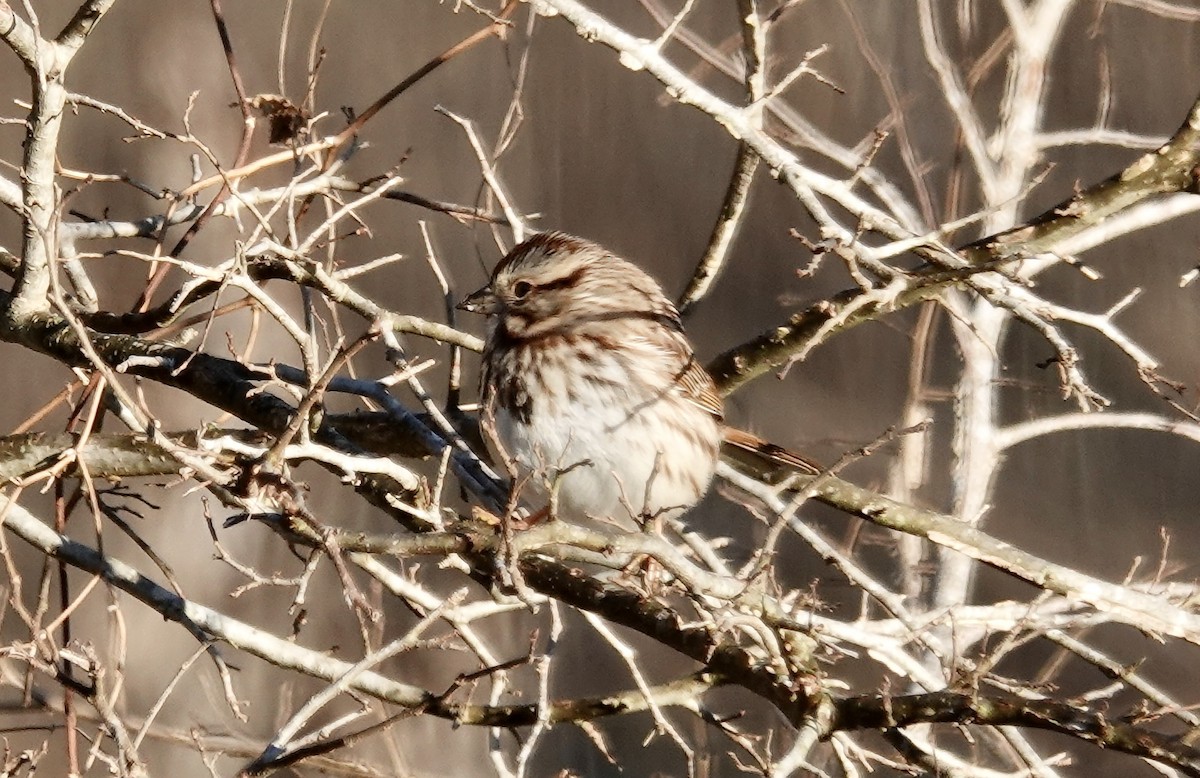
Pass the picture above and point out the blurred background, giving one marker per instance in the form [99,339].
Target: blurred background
[601,151]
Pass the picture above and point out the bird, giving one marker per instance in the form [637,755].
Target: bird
[593,390]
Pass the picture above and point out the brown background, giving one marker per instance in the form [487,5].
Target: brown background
[603,155]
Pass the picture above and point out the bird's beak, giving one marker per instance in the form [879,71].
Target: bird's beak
[483,301]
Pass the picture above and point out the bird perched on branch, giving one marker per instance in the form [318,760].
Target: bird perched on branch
[593,387]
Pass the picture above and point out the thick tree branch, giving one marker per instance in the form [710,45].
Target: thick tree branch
[21,38]
[76,31]
[1156,615]
[888,712]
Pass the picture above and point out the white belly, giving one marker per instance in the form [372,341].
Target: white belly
[609,464]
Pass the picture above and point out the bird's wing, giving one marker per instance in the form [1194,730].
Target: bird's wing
[697,386]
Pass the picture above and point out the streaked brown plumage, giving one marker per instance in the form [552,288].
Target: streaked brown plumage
[591,380]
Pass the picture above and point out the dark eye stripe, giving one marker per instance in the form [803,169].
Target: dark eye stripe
[562,283]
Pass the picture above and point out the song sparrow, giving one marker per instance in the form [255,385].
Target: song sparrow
[592,383]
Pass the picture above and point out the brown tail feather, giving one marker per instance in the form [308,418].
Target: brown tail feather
[742,441]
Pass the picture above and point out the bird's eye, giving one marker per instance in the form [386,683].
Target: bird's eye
[521,289]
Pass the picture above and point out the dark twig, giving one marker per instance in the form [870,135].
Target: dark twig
[737,194]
